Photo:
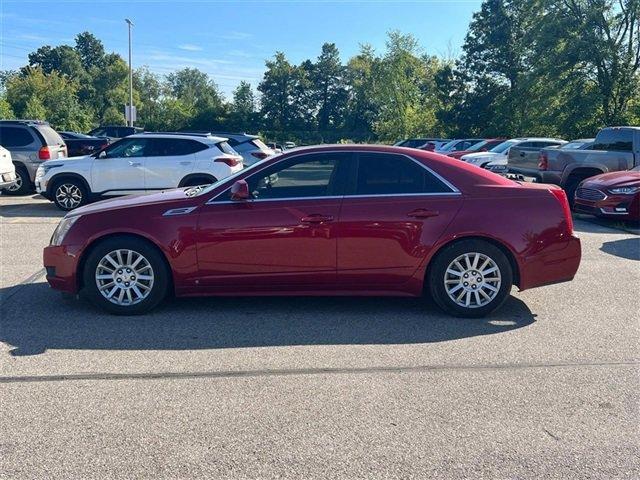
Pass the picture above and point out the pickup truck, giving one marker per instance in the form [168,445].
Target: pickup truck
[614,149]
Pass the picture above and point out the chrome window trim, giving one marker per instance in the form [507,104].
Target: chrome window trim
[454,189]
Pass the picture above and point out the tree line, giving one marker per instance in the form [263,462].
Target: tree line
[528,67]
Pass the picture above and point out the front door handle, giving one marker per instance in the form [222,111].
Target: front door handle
[316,218]
[423,213]
[134,164]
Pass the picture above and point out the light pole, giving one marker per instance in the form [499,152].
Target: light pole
[130,119]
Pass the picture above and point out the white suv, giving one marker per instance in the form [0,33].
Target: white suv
[139,163]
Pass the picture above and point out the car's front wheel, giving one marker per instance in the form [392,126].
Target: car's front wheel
[470,278]
[126,276]
[69,194]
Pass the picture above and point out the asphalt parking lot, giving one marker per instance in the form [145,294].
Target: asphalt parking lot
[319,387]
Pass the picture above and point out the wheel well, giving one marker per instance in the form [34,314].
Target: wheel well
[61,176]
[194,176]
[584,173]
[87,251]
[507,252]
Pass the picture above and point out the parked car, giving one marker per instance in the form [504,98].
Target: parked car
[614,149]
[356,219]
[276,147]
[434,145]
[79,144]
[420,142]
[289,145]
[145,162]
[611,195]
[483,146]
[114,132]
[522,147]
[458,145]
[30,142]
[250,147]
[7,169]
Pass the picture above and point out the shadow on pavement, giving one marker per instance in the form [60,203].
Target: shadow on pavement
[17,208]
[628,248]
[591,224]
[36,318]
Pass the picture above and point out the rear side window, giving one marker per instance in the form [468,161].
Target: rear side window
[50,135]
[614,139]
[386,174]
[226,148]
[172,147]
[15,137]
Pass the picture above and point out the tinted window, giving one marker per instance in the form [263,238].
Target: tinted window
[50,135]
[134,147]
[384,174]
[306,176]
[171,147]
[614,139]
[527,145]
[15,137]
[546,144]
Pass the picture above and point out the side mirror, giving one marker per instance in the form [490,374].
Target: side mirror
[240,191]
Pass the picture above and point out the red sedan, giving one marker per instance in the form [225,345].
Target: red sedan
[611,195]
[331,220]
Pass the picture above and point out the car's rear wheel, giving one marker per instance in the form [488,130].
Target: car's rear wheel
[126,276]
[22,186]
[69,194]
[470,278]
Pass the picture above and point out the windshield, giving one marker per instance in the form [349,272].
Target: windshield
[575,145]
[448,146]
[477,146]
[503,146]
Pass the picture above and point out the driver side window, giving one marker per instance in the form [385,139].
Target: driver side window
[127,148]
[300,177]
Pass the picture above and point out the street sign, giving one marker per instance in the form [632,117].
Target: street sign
[130,113]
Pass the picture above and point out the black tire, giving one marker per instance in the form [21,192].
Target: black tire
[23,185]
[159,271]
[66,186]
[438,274]
[570,188]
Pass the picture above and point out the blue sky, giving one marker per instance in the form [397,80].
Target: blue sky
[229,40]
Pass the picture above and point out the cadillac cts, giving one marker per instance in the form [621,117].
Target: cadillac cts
[330,220]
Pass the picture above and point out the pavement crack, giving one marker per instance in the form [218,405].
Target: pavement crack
[298,371]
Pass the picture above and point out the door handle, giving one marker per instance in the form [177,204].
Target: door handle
[316,218]
[134,164]
[185,163]
[522,154]
[423,213]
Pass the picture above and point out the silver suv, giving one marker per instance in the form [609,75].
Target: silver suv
[30,142]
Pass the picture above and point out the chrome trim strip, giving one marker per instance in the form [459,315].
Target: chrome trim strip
[455,190]
[178,211]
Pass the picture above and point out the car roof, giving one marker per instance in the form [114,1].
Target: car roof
[190,136]
[235,135]
[25,122]
[544,139]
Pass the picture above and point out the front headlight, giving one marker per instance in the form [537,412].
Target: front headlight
[44,168]
[625,190]
[62,229]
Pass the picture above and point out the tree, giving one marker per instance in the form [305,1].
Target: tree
[243,108]
[278,89]
[62,59]
[329,88]
[90,50]
[361,110]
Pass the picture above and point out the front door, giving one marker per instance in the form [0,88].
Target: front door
[119,169]
[393,212]
[283,237]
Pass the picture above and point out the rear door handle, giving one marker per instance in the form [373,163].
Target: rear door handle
[134,164]
[316,218]
[423,213]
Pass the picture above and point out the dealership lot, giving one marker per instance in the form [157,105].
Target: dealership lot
[299,387]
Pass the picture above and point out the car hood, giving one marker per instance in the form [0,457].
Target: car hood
[614,179]
[481,156]
[129,201]
[62,161]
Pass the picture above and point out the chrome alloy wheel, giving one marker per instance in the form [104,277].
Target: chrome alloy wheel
[472,280]
[18,183]
[69,195]
[124,277]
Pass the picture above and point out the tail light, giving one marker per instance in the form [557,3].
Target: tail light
[44,153]
[230,161]
[260,155]
[543,161]
[564,203]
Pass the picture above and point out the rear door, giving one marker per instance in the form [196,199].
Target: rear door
[169,160]
[393,212]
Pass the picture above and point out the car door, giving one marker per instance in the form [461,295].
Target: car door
[526,154]
[393,212]
[119,169]
[169,160]
[281,238]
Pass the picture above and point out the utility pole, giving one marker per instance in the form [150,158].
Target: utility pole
[130,117]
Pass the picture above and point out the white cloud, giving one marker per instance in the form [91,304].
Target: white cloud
[189,47]
[235,35]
